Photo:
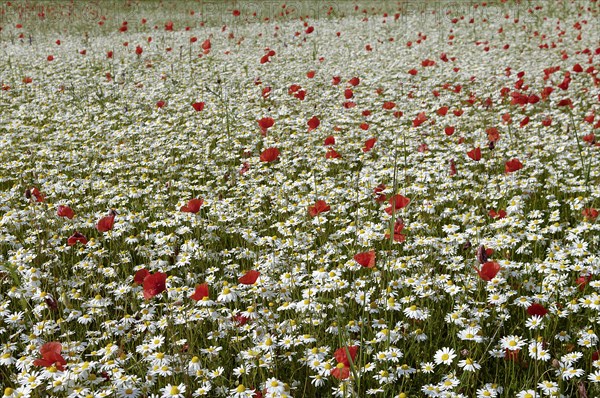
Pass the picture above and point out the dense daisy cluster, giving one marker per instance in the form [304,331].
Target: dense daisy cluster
[298,200]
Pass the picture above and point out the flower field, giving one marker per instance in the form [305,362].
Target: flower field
[299,199]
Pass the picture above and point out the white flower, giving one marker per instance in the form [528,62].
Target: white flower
[445,355]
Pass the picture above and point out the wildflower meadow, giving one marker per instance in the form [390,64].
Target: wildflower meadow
[326,198]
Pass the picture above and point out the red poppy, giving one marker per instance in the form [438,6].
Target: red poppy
[420,119]
[106,223]
[265,123]
[193,206]
[51,356]
[269,155]
[355,81]
[240,319]
[341,354]
[39,197]
[398,227]
[332,154]
[500,214]
[582,281]
[319,207]
[397,202]
[449,130]
[513,165]
[389,105]
[492,134]
[488,270]
[336,80]
[198,106]
[169,26]
[590,138]
[154,284]
[453,170]
[313,123]
[330,140]
[369,144]
[140,275]
[348,93]
[475,154]
[249,278]
[379,195]
[365,259]
[160,104]
[200,292]
[589,213]
[442,111]
[413,72]
[77,237]
[65,211]
[139,50]
[537,309]
[310,74]
[236,13]
[547,121]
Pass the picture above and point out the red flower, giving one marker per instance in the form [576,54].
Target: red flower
[65,211]
[139,50]
[265,123]
[336,80]
[236,13]
[313,123]
[355,81]
[319,207]
[589,213]
[369,144]
[160,104]
[413,72]
[397,202]
[51,356]
[345,357]
[310,74]
[200,292]
[398,227]
[500,214]
[330,140]
[106,223]
[590,138]
[249,278]
[365,259]
[419,120]
[442,111]
[475,154]
[76,237]
[269,155]
[488,270]
[332,154]
[513,165]
[193,206]
[492,134]
[140,275]
[537,309]
[154,284]
[169,26]
[198,106]
[389,105]
[379,195]
[39,197]
[341,355]
[449,130]
[582,281]
[348,93]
